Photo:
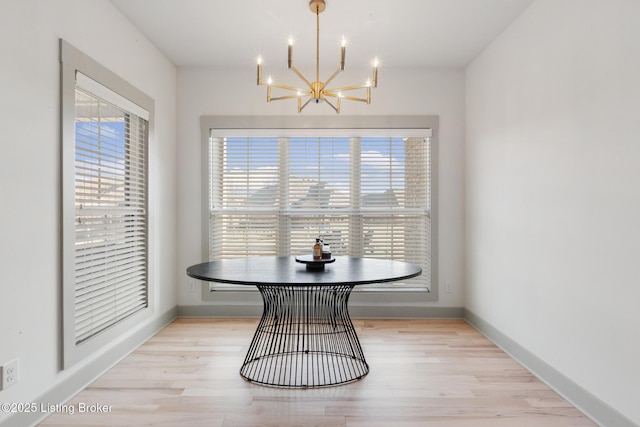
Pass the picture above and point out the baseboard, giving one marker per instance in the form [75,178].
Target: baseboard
[599,412]
[220,311]
[356,311]
[404,312]
[70,386]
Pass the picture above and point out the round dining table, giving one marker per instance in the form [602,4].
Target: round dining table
[305,337]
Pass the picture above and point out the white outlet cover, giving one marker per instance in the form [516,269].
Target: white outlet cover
[10,373]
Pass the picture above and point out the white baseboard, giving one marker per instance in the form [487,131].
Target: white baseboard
[356,311]
[599,412]
[70,386]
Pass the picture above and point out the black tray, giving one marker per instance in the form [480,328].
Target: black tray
[314,264]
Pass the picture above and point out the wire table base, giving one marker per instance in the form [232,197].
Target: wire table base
[305,338]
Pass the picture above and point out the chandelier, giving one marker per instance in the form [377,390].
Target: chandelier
[317,90]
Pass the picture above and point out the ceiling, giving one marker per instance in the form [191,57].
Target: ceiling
[402,33]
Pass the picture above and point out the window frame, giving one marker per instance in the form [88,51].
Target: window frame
[72,61]
[354,126]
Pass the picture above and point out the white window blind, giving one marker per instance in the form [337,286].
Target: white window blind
[367,196]
[111,271]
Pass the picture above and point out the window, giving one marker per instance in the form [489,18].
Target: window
[105,216]
[274,192]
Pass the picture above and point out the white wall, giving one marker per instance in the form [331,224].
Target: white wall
[553,201]
[30,167]
[400,92]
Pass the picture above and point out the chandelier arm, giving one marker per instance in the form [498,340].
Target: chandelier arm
[350,98]
[285,97]
[331,105]
[300,75]
[286,87]
[305,104]
[353,98]
[332,77]
[346,88]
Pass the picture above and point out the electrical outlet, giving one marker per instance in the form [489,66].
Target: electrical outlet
[192,285]
[448,287]
[10,373]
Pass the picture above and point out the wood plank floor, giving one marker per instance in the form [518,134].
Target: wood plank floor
[423,373]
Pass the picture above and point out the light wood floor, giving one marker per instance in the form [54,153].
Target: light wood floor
[423,373]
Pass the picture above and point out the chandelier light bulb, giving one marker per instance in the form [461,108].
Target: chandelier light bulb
[375,72]
[290,53]
[260,70]
[343,50]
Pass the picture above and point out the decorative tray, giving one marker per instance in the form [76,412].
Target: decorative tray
[314,264]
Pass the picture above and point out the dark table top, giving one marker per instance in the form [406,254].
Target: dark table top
[285,270]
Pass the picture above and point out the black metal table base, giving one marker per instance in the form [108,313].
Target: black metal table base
[305,338]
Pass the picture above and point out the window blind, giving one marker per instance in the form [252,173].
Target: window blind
[111,274]
[366,196]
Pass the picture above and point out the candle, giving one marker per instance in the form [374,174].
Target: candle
[375,72]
